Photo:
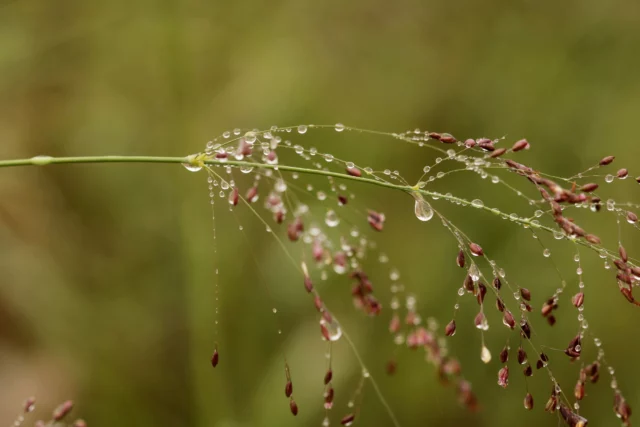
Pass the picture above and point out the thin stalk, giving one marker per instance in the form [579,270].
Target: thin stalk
[48,160]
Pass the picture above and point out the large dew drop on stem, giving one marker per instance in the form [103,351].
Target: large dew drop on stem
[423,209]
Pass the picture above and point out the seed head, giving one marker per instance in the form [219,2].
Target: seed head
[62,411]
[475,249]
[606,160]
[215,358]
[293,406]
[288,388]
[523,144]
[528,401]
[450,329]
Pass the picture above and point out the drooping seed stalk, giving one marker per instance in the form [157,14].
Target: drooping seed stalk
[194,159]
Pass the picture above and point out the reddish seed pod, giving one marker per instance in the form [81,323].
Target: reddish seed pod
[394,324]
[29,405]
[503,377]
[460,259]
[551,320]
[508,319]
[497,283]
[62,411]
[447,138]
[354,172]
[328,376]
[522,355]
[539,364]
[435,135]
[499,305]
[482,291]
[308,284]
[504,354]
[632,217]
[528,401]
[288,389]
[623,253]
[498,152]
[526,294]
[592,239]
[479,320]
[328,398]
[215,358]
[293,406]
[450,329]
[638,179]
[578,299]
[468,284]
[525,329]
[470,143]
[578,391]
[606,160]
[476,250]
[523,144]
[588,188]
[622,173]
[528,371]
[342,200]
[233,197]
[252,194]
[391,367]
[347,420]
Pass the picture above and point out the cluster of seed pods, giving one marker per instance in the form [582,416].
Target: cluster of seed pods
[407,328]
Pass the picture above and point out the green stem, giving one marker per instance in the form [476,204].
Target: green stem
[47,160]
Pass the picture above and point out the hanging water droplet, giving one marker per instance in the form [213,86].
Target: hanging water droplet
[474,272]
[331,218]
[485,354]
[423,209]
[546,253]
[226,134]
[302,129]
[339,127]
[331,330]
[192,164]
[609,178]
[246,169]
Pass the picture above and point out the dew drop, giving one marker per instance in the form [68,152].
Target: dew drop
[546,253]
[331,330]
[609,178]
[41,160]
[250,137]
[302,129]
[485,354]
[339,127]
[477,203]
[423,209]
[331,218]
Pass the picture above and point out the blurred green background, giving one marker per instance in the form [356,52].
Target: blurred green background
[107,288]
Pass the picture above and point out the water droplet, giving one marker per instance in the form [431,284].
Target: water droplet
[192,165]
[302,129]
[546,253]
[331,330]
[423,209]
[477,203]
[474,272]
[609,178]
[250,137]
[41,160]
[331,218]
[339,127]
[485,354]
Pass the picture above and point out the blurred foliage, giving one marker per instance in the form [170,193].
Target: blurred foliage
[107,289]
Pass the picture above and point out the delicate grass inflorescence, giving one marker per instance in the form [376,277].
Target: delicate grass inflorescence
[245,170]
[59,417]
